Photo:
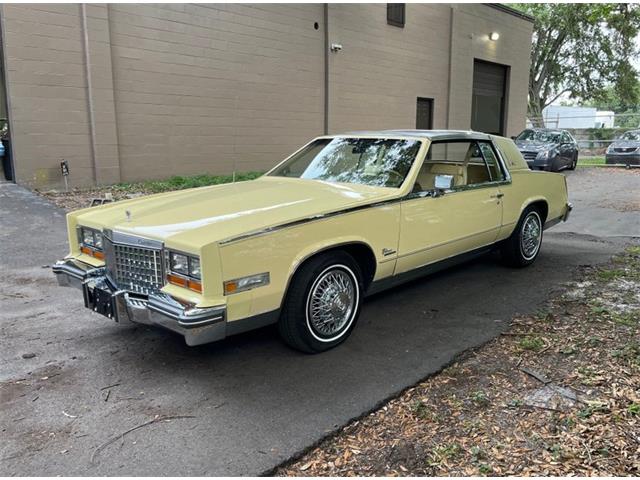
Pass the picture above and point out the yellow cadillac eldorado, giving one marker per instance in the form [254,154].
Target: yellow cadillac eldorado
[343,217]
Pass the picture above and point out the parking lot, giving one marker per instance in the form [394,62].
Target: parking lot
[82,396]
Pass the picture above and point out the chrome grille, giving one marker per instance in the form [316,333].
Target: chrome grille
[625,149]
[132,267]
[529,156]
[138,269]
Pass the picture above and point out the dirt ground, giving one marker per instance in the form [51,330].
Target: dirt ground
[556,394]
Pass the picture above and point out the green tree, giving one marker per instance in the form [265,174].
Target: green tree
[581,49]
[610,99]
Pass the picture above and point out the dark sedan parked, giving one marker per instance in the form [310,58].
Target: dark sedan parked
[625,150]
[548,149]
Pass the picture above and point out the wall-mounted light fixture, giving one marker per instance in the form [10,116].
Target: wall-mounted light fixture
[336,47]
[493,36]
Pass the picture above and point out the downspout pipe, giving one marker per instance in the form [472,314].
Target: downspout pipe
[90,106]
[326,68]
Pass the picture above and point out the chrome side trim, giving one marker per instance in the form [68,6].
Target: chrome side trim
[302,221]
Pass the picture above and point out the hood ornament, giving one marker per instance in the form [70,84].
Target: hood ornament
[128,214]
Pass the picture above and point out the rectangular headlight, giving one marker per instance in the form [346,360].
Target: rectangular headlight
[178,263]
[194,267]
[90,241]
[183,270]
[87,237]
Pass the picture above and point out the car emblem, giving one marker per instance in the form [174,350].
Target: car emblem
[128,214]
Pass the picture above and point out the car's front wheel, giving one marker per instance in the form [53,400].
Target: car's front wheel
[323,303]
[523,246]
[574,162]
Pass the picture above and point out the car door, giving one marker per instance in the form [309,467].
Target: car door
[566,149]
[574,148]
[439,221]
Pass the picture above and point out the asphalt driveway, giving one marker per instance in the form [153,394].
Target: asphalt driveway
[247,403]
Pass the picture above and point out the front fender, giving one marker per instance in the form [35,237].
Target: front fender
[327,244]
[282,252]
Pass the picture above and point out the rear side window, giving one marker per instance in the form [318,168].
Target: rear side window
[492,162]
[461,164]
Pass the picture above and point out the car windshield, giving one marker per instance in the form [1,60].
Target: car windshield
[539,136]
[379,162]
[634,135]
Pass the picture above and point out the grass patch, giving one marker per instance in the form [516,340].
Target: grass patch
[442,453]
[635,250]
[611,274]
[180,183]
[587,161]
[480,398]
[421,410]
[533,343]
[630,353]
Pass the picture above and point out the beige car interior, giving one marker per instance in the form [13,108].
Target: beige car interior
[460,160]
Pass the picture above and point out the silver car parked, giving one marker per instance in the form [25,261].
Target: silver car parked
[625,150]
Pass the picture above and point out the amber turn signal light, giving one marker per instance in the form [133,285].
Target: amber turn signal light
[184,283]
[92,253]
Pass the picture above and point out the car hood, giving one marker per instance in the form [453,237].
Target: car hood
[626,144]
[193,218]
[535,146]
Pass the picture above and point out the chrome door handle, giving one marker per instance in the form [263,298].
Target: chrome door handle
[497,195]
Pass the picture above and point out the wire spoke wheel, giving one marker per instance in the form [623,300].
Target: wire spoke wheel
[531,236]
[332,303]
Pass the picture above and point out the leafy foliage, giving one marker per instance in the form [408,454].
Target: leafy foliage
[581,49]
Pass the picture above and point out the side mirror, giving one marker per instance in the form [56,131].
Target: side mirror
[513,137]
[443,182]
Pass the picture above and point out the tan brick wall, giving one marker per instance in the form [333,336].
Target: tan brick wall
[149,91]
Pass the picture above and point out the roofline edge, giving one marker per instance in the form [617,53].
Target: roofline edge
[511,11]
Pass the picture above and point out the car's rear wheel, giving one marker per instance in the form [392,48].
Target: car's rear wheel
[323,303]
[523,246]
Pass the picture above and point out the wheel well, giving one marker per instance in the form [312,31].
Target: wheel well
[365,258]
[361,253]
[542,207]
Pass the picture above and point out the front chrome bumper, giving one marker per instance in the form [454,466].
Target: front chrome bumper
[196,325]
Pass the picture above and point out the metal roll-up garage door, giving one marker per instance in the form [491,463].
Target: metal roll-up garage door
[489,97]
